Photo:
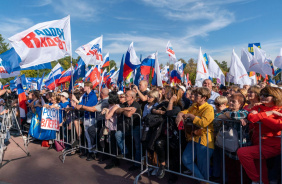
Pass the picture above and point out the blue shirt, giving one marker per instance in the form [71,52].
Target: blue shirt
[89,100]
[212,98]
[63,105]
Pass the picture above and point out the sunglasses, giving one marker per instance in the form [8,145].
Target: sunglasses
[150,97]
[217,104]
[122,97]
[265,95]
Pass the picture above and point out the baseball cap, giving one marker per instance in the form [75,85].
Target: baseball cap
[64,94]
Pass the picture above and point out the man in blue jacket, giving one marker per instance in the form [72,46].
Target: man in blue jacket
[89,99]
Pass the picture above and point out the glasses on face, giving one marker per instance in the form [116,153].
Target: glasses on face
[265,95]
[122,97]
[217,104]
[198,95]
[150,97]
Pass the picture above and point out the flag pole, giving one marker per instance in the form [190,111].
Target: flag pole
[72,89]
[53,76]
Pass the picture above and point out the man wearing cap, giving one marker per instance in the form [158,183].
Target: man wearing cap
[208,84]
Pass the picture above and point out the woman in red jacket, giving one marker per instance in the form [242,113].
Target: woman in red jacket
[269,113]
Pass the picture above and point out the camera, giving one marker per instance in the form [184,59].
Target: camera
[9,98]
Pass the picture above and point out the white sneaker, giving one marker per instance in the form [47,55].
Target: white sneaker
[273,182]
[255,182]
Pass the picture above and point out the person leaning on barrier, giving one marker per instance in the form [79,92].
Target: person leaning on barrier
[235,111]
[131,107]
[169,107]
[89,99]
[269,114]
[208,84]
[111,126]
[202,115]
[102,103]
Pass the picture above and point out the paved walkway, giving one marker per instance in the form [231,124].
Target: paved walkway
[44,166]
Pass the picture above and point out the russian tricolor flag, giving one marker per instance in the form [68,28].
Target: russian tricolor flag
[65,77]
[106,60]
[147,64]
[131,61]
[93,75]
[175,77]
[22,99]
[6,85]
[54,76]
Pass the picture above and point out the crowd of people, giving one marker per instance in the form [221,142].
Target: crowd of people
[158,117]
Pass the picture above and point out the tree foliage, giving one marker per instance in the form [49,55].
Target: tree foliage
[3,46]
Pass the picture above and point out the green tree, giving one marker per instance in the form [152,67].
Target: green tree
[3,46]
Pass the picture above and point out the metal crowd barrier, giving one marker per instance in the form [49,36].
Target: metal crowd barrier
[70,139]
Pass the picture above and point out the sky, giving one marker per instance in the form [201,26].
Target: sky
[217,26]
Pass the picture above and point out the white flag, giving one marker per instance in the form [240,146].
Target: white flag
[202,70]
[157,80]
[238,71]
[278,60]
[170,52]
[260,57]
[91,53]
[246,58]
[253,80]
[215,71]
[114,77]
[164,73]
[44,42]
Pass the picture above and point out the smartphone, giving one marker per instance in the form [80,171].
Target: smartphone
[181,126]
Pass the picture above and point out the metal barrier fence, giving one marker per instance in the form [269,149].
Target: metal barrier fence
[74,135]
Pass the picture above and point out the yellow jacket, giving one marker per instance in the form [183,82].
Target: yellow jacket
[204,118]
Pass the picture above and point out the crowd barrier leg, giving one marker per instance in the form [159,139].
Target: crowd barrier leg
[167,142]
[193,156]
[132,149]
[241,143]
[223,152]
[180,156]
[260,161]
[208,156]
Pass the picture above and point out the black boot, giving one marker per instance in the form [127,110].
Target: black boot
[83,154]
[91,156]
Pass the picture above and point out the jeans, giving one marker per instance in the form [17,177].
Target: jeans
[200,152]
[136,138]
[120,142]
[88,123]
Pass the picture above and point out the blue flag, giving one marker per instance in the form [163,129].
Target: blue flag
[11,60]
[38,67]
[23,80]
[13,84]
[137,76]
[79,71]
[39,84]
[120,75]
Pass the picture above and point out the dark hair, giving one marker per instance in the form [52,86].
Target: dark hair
[113,98]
